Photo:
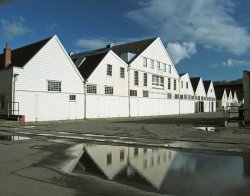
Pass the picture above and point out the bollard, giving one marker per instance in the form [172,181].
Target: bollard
[22,120]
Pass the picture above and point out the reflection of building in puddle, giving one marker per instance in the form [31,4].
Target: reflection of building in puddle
[126,164]
[246,164]
[13,138]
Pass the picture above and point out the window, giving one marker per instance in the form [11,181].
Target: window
[199,98]
[109,158]
[174,84]
[152,64]
[158,65]
[145,165]
[133,93]
[145,62]
[185,96]
[145,93]
[91,89]
[54,86]
[122,155]
[176,96]
[72,97]
[136,78]
[109,90]
[145,79]
[181,96]
[152,161]
[144,150]
[136,152]
[181,84]
[186,85]
[169,68]
[122,70]
[189,97]
[169,83]
[157,81]
[164,67]
[2,102]
[169,96]
[109,70]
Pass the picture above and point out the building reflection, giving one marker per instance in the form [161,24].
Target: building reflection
[246,164]
[126,164]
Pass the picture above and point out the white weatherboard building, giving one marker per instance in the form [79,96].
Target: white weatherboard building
[41,82]
[199,93]
[133,79]
[210,100]
[221,98]
[187,104]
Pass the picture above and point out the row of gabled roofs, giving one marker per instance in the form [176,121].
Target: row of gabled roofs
[88,61]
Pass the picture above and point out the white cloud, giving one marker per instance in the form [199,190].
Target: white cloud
[206,22]
[91,43]
[235,63]
[178,51]
[14,27]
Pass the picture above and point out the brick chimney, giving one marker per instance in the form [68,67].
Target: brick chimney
[7,56]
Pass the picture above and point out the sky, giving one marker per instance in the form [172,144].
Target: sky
[207,38]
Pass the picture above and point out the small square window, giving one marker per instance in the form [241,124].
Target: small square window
[72,97]
[133,93]
[109,90]
[54,86]
[145,93]
[91,89]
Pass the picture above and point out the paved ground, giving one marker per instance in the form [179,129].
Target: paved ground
[33,167]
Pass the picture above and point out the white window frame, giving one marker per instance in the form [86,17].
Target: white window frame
[145,79]
[186,85]
[133,93]
[122,72]
[91,89]
[72,98]
[136,78]
[157,81]
[109,70]
[175,84]
[152,66]
[54,86]
[169,68]
[145,93]
[108,90]
[169,83]
[164,67]
[145,62]
[158,65]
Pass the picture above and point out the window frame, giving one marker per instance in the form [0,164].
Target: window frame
[136,78]
[109,69]
[133,93]
[88,88]
[122,72]
[52,87]
[108,90]
[72,98]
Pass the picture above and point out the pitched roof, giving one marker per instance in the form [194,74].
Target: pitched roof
[21,56]
[182,74]
[195,82]
[94,57]
[136,48]
[207,84]
[219,92]
[89,63]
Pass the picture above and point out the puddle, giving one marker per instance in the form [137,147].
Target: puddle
[13,138]
[162,170]
[206,128]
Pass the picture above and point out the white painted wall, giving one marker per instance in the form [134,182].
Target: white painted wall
[210,105]
[6,87]
[36,103]
[200,92]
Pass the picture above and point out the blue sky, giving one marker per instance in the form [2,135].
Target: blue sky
[207,38]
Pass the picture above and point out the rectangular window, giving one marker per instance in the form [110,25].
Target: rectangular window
[181,84]
[158,81]
[109,90]
[186,85]
[136,78]
[169,83]
[164,67]
[145,93]
[174,84]
[91,89]
[122,71]
[185,96]
[169,96]
[72,97]
[109,158]
[54,86]
[145,79]
[133,93]
[169,68]
[2,102]
[122,155]
[109,70]
[158,65]
[199,98]
[145,62]
[136,152]
[176,96]
[181,96]
[152,64]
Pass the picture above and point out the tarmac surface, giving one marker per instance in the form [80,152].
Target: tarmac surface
[35,166]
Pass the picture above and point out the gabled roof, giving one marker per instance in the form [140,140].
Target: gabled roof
[195,82]
[182,74]
[88,64]
[219,92]
[228,92]
[207,84]
[21,56]
[136,48]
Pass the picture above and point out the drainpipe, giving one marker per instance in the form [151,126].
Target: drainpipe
[129,91]
[179,96]
[85,99]
[14,93]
